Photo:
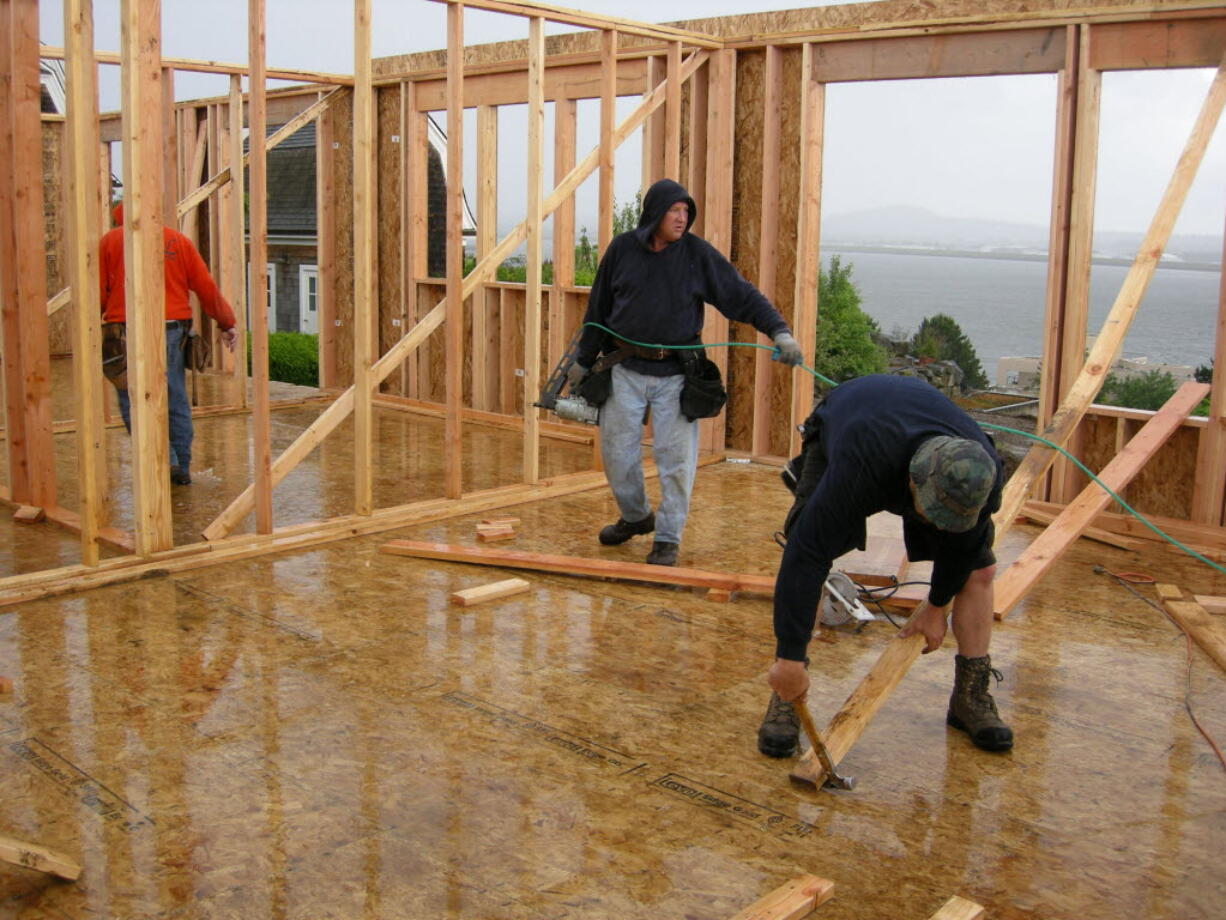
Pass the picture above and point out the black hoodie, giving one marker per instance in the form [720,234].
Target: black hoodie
[657,298]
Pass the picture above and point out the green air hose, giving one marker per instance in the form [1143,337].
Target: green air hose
[1025,434]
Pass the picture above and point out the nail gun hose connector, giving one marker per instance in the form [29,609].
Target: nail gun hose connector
[576,409]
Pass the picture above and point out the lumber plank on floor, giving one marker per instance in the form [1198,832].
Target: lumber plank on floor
[957,908]
[1211,603]
[1132,544]
[34,856]
[791,901]
[495,590]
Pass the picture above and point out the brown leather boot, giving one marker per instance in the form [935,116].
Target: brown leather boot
[779,733]
[971,707]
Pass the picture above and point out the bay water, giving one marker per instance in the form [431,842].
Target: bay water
[999,303]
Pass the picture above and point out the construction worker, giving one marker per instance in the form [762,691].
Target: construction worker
[887,443]
[650,288]
[184,271]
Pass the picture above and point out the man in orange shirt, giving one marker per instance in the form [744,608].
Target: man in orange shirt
[185,271]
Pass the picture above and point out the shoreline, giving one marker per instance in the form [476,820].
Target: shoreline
[1008,256]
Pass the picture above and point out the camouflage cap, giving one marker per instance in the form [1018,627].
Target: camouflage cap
[953,478]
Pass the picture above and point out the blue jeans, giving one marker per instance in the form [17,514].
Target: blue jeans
[674,447]
[178,406]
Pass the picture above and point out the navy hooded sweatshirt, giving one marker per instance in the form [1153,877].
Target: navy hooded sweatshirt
[657,298]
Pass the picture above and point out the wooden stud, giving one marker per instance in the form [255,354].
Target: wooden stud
[84,224]
[487,236]
[142,158]
[261,436]
[234,257]
[1013,583]
[23,293]
[655,127]
[1108,344]
[494,591]
[565,112]
[957,908]
[808,237]
[608,116]
[791,901]
[532,305]
[696,181]
[170,149]
[1208,633]
[672,114]
[454,332]
[1209,485]
[34,856]
[364,297]
[768,245]
[860,707]
[325,210]
[29,514]
[6,684]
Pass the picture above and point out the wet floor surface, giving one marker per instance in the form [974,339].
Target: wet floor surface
[318,734]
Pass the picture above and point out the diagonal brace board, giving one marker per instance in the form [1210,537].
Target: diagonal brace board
[1012,584]
[34,856]
[1209,633]
[1111,338]
[381,369]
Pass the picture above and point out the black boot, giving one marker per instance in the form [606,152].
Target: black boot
[971,707]
[623,530]
[663,553]
[779,733]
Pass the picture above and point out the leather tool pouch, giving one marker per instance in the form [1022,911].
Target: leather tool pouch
[115,354]
[196,352]
[703,394]
[597,386]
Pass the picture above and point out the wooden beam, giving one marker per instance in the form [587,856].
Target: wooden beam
[1211,603]
[202,66]
[565,124]
[1185,531]
[1209,485]
[23,288]
[365,304]
[494,591]
[143,266]
[33,856]
[696,154]
[325,210]
[1109,342]
[608,117]
[84,225]
[532,301]
[768,245]
[591,20]
[583,567]
[487,236]
[655,127]
[1096,534]
[860,707]
[454,332]
[1013,583]
[957,908]
[1174,43]
[235,236]
[808,237]
[672,114]
[791,901]
[261,437]
[507,87]
[1209,634]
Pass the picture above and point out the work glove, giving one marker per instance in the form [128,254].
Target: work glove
[576,373]
[786,350]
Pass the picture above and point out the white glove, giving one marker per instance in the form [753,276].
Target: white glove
[786,350]
[576,373]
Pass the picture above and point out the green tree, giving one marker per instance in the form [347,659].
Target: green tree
[941,338]
[585,259]
[626,217]
[845,345]
[1204,372]
[1149,391]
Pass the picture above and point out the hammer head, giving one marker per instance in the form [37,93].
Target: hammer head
[828,779]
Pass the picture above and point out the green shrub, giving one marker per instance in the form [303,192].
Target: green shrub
[293,357]
[942,339]
[1149,391]
[844,347]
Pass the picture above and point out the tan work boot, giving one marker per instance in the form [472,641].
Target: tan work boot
[971,707]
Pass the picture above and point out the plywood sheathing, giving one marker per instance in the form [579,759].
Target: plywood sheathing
[346,733]
[1165,484]
[341,119]
[389,208]
[59,324]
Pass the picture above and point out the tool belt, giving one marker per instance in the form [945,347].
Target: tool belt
[115,354]
[702,394]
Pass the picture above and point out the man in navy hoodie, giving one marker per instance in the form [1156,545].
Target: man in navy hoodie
[650,289]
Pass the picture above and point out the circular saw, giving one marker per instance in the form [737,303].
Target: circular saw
[840,603]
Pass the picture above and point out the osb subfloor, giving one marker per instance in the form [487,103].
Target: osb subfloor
[320,735]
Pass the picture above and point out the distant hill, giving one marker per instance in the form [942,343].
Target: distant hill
[915,227]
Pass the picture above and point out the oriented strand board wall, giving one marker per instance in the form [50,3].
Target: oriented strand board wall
[389,146]
[55,228]
[1164,486]
[341,116]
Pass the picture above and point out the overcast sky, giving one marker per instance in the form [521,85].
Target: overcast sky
[964,148]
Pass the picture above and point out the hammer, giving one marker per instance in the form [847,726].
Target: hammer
[832,777]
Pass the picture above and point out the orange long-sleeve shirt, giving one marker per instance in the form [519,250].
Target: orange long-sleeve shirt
[185,271]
